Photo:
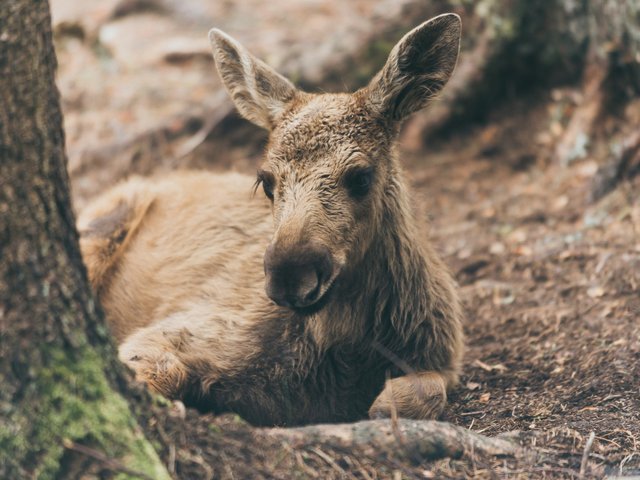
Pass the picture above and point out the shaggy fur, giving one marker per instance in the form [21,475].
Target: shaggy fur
[178,260]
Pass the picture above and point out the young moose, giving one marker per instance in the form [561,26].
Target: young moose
[320,303]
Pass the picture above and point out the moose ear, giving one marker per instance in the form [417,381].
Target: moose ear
[417,68]
[259,92]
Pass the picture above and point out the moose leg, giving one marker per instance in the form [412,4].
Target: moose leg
[154,356]
[421,396]
[187,352]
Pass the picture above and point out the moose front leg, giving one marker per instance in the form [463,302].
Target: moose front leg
[420,395]
[179,357]
[153,356]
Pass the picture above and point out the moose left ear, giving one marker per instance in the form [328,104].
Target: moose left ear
[417,68]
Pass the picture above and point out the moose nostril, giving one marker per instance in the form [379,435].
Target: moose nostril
[309,286]
[295,276]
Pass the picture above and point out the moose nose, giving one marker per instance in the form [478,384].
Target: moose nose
[295,276]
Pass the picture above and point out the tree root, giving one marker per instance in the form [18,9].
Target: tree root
[406,440]
[624,165]
[574,141]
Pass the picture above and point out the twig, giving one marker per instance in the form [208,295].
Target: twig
[625,460]
[479,412]
[392,357]
[394,416]
[585,454]
[331,463]
[303,465]
[111,463]
[209,472]
[361,468]
[608,398]
[213,117]
[227,466]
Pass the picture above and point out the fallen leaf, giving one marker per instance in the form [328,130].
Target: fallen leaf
[517,236]
[587,169]
[490,368]
[501,297]
[589,409]
[595,292]
[523,251]
[489,212]
[560,202]
[497,248]
[472,386]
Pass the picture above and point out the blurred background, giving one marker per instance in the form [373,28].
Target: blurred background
[140,90]
[527,168]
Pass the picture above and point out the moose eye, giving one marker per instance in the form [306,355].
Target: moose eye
[359,181]
[266,179]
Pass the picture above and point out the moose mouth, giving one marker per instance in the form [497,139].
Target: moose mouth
[301,280]
[318,304]
[315,301]
[326,295]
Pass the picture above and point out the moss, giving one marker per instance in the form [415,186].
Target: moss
[75,403]
[215,429]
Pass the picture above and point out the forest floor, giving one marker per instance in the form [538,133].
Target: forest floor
[549,278]
[550,282]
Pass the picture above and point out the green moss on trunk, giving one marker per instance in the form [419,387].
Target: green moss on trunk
[74,403]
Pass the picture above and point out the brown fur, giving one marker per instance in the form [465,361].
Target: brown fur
[178,260]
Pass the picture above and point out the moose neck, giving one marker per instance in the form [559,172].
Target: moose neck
[396,270]
[390,286]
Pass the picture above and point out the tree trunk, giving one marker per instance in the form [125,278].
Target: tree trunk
[61,403]
[514,47]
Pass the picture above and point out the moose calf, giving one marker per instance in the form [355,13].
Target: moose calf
[318,303]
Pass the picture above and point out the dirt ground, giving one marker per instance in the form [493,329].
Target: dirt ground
[550,283]
[550,279]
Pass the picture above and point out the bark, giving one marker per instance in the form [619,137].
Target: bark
[62,409]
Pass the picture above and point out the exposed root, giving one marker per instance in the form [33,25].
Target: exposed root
[626,164]
[575,139]
[410,440]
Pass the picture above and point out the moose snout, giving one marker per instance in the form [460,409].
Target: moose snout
[297,276]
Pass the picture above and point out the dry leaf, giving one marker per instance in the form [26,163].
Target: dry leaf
[472,386]
[595,292]
[497,248]
[523,251]
[589,409]
[560,202]
[490,368]
[501,297]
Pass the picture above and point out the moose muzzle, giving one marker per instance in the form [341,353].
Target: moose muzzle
[297,276]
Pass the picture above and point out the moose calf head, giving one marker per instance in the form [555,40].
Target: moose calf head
[329,169]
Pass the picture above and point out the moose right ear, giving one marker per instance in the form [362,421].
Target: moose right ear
[259,92]
[417,68]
